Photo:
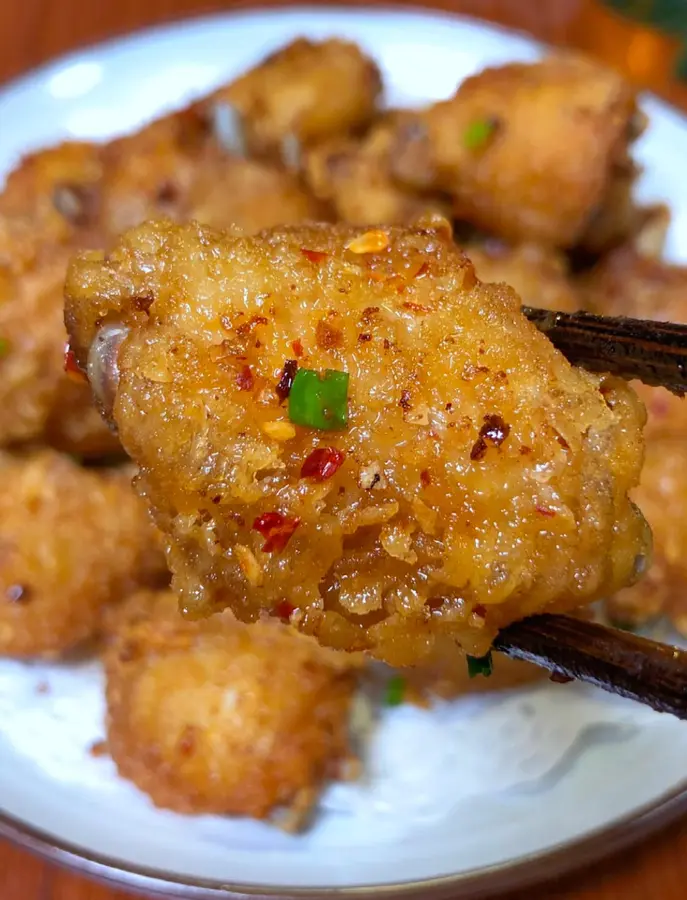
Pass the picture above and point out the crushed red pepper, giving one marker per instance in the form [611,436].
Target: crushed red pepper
[322,463]
[285,382]
[297,349]
[244,379]
[276,529]
[71,367]
[314,256]
[284,609]
[494,432]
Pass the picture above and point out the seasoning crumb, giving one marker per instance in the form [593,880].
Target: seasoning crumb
[370,242]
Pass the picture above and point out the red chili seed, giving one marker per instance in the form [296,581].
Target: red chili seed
[71,367]
[287,375]
[276,529]
[314,256]
[283,609]
[322,463]
[244,379]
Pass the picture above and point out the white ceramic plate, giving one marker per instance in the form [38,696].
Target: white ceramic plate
[472,796]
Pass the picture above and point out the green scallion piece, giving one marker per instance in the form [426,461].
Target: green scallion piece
[319,399]
[4,347]
[478,133]
[480,665]
[395,691]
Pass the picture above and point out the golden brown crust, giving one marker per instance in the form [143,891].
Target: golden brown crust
[219,717]
[528,151]
[354,176]
[503,471]
[72,542]
[308,91]
[537,274]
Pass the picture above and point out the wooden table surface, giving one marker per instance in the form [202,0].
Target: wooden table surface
[32,31]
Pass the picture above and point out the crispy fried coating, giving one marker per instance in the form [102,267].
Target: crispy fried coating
[354,177]
[626,283]
[528,151]
[54,191]
[305,92]
[663,498]
[177,167]
[219,717]
[537,274]
[37,398]
[72,542]
[484,477]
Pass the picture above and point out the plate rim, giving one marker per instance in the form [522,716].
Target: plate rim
[557,861]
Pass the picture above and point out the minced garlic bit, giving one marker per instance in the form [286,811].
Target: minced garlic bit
[279,430]
[369,242]
[249,565]
[371,477]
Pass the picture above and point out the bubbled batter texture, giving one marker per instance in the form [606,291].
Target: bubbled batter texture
[484,477]
[217,717]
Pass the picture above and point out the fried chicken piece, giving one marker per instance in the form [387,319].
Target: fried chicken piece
[354,176]
[538,275]
[528,151]
[219,717]
[663,497]
[38,401]
[55,193]
[475,477]
[305,92]
[72,542]
[626,283]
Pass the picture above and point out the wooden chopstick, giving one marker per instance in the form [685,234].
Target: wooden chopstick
[652,352]
[653,674]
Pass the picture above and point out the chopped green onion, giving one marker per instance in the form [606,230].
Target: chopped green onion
[4,347]
[395,689]
[480,665]
[319,399]
[477,134]
[622,625]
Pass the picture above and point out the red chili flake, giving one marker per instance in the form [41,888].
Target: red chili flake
[423,270]
[188,740]
[416,307]
[276,529]
[287,375]
[545,511]
[244,379]
[368,314]
[322,463]
[387,343]
[71,367]
[525,451]
[283,610]
[314,256]
[404,402]
[480,611]
[494,432]
[425,478]
[297,348]
[248,326]
[561,440]
[363,338]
